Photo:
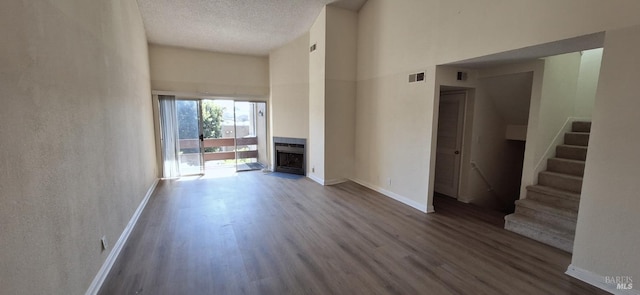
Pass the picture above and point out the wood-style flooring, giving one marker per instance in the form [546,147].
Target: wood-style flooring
[256,233]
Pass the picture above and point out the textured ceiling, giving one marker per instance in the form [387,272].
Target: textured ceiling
[252,27]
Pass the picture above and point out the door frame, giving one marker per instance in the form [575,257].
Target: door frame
[460,148]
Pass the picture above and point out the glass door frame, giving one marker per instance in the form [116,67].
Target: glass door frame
[252,104]
[200,136]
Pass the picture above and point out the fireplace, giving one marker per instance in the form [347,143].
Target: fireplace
[289,155]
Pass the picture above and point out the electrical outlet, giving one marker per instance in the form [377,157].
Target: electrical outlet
[389,181]
[105,244]
[313,169]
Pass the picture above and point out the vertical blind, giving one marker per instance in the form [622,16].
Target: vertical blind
[169,136]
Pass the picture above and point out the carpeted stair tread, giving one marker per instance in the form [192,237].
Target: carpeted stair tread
[534,223]
[567,166]
[561,181]
[549,213]
[554,197]
[576,138]
[581,126]
[540,231]
[573,152]
[547,190]
[556,210]
[555,216]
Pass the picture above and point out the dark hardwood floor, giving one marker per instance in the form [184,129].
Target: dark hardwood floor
[260,234]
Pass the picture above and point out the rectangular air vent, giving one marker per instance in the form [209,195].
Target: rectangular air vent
[416,77]
[462,76]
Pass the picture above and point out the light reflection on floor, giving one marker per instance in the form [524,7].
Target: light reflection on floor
[213,169]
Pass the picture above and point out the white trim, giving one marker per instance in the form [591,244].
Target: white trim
[197,95]
[316,179]
[557,140]
[402,199]
[96,284]
[327,182]
[335,181]
[597,280]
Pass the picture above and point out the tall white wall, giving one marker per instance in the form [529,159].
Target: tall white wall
[332,88]
[76,138]
[559,85]
[587,82]
[204,72]
[317,72]
[289,77]
[340,83]
[607,235]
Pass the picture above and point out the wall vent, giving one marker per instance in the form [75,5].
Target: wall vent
[462,76]
[416,77]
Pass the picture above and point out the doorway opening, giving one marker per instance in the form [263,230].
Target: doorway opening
[481,137]
[215,137]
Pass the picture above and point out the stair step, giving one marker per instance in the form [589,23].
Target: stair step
[567,166]
[560,181]
[576,138]
[572,152]
[554,215]
[553,196]
[581,126]
[540,231]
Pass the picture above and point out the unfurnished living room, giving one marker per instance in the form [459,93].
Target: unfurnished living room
[319,147]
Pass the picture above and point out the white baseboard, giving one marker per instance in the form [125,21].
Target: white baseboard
[597,281]
[96,284]
[327,182]
[402,199]
[335,181]
[316,179]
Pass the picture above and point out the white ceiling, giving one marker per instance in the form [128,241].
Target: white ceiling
[253,27]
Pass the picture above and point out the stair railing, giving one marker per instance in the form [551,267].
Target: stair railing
[475,167]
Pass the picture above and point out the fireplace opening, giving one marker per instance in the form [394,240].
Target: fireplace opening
[289,155]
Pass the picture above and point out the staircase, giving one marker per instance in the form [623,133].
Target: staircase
[549,212]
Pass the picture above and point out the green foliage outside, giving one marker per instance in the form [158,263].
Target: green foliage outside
[188,121]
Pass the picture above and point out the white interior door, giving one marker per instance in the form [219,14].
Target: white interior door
[448,150]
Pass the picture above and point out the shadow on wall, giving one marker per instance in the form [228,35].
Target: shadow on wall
[503,198]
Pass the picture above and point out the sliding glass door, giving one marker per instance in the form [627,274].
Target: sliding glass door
[250,135]
[218,141]
[201,136]
[190,150]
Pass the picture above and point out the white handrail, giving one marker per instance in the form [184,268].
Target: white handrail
[475,166]
[557,140]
